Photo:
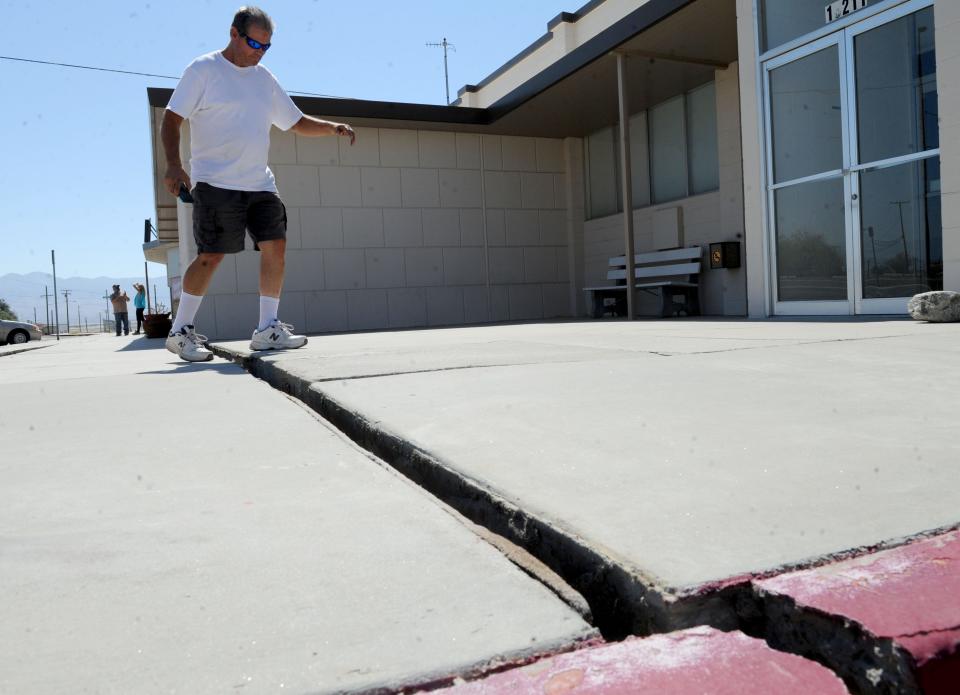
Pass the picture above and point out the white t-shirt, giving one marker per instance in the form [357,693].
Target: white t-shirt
[231,110]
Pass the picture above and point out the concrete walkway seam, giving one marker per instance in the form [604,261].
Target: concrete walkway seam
[624,601]
[25,348]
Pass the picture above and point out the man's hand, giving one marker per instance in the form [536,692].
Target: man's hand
[174,176]
[344,129]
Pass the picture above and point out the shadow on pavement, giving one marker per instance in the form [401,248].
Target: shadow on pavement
[226,368]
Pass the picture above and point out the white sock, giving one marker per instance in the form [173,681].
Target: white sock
[268,311]
[187,311]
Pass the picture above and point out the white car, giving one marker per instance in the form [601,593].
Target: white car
[16,332]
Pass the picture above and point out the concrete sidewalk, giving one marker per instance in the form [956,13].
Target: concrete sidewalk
[169,527]
[659,466]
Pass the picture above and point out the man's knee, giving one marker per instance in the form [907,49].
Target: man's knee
[210,260]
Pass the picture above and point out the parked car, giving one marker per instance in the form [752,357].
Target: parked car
[15,332]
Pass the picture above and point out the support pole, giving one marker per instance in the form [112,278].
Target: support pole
[627,181]
[56,310]
[146,287]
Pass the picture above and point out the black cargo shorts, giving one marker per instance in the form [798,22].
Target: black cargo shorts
[222,216]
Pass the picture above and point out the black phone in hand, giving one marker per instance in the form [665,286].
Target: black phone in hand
[184,194]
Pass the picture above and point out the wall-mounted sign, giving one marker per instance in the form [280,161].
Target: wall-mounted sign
[841,8]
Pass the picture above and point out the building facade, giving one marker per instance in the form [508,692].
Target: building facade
[819,136]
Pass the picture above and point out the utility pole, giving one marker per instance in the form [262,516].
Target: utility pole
[146,287]
[446,75]
[66,301]
[56,311]
[46,298]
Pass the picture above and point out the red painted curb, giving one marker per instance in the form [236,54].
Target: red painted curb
[699,660]
[909,595]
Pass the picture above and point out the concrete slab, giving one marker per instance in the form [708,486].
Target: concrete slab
[7,350]
[905,603]
[698,660]
[169,527]
[675,456]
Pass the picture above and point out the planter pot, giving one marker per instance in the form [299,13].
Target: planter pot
[157,325]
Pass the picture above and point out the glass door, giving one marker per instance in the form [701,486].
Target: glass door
[853,168]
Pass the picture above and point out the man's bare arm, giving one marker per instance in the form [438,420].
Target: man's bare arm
[311,127]
[170,137]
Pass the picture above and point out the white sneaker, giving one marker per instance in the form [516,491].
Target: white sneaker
[277,336]
[189,345]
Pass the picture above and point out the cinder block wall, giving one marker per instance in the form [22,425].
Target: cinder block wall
[406,229]
[705,218]
[390,233]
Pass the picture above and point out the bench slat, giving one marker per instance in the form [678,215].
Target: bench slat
[659,256]
[656,271]
[639,286]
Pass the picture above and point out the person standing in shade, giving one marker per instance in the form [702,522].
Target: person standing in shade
[231,102]
[139,303]
[119,300]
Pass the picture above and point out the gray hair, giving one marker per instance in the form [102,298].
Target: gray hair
[247,15]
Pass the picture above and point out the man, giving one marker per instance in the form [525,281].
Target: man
[120,316]
[231,101]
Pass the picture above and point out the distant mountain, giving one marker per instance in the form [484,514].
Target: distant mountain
[24,293]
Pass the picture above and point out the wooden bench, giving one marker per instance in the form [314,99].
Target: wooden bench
[671,273]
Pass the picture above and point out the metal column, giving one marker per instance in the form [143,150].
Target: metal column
[627,181]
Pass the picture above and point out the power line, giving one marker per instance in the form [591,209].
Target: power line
[140,74]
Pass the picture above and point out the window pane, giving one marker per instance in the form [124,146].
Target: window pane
[603,180]
[811,242]
[639,160]
[668,157]
[897,88]
[702,139]
[785,20]
[901,231]
[805,116]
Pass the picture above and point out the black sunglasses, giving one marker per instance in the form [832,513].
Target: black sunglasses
[256,45]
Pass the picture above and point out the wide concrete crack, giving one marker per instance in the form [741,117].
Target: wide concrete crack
[622,600]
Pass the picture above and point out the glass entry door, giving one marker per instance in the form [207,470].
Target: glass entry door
[853,168]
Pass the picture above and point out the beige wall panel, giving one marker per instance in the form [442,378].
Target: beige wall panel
[294,230]
[399,148]
[424,267]
[553,227]
[321,228]
[506,265]
[402,227]
[523,227]
[460,189]
[556,300]
[526,302]
[344,269]
[549,155]
[421,188]
[540,264]
[248,272]
[283,147]
[471,227]
[364,152]
[468,151]
[362,228]
[236,315]
[385,268]
[500,303]
[318,151]
[225,278]
[437,150]
[407,307]
[496,228]
[537,191]
[476,304]
[445,306]
[441,227]
[519,153]
[464,266]
[503,189]
[325,311]
[492,152]
[304,271]
[298,185]
[340,186]
[380,187]
[367,309]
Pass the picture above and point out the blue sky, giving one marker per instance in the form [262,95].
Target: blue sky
[76,171]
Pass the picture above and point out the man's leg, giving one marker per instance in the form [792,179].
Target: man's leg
[117,320]
[126,323]
[195,283]
[272,266]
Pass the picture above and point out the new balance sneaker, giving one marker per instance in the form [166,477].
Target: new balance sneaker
[277,336]
[189,345]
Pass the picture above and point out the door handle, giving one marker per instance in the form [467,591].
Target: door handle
[854,197]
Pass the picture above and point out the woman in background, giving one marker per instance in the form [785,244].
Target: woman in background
[139,303]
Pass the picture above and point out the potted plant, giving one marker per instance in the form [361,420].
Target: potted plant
[158,323]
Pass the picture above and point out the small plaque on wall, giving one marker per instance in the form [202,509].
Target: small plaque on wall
[725,254]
